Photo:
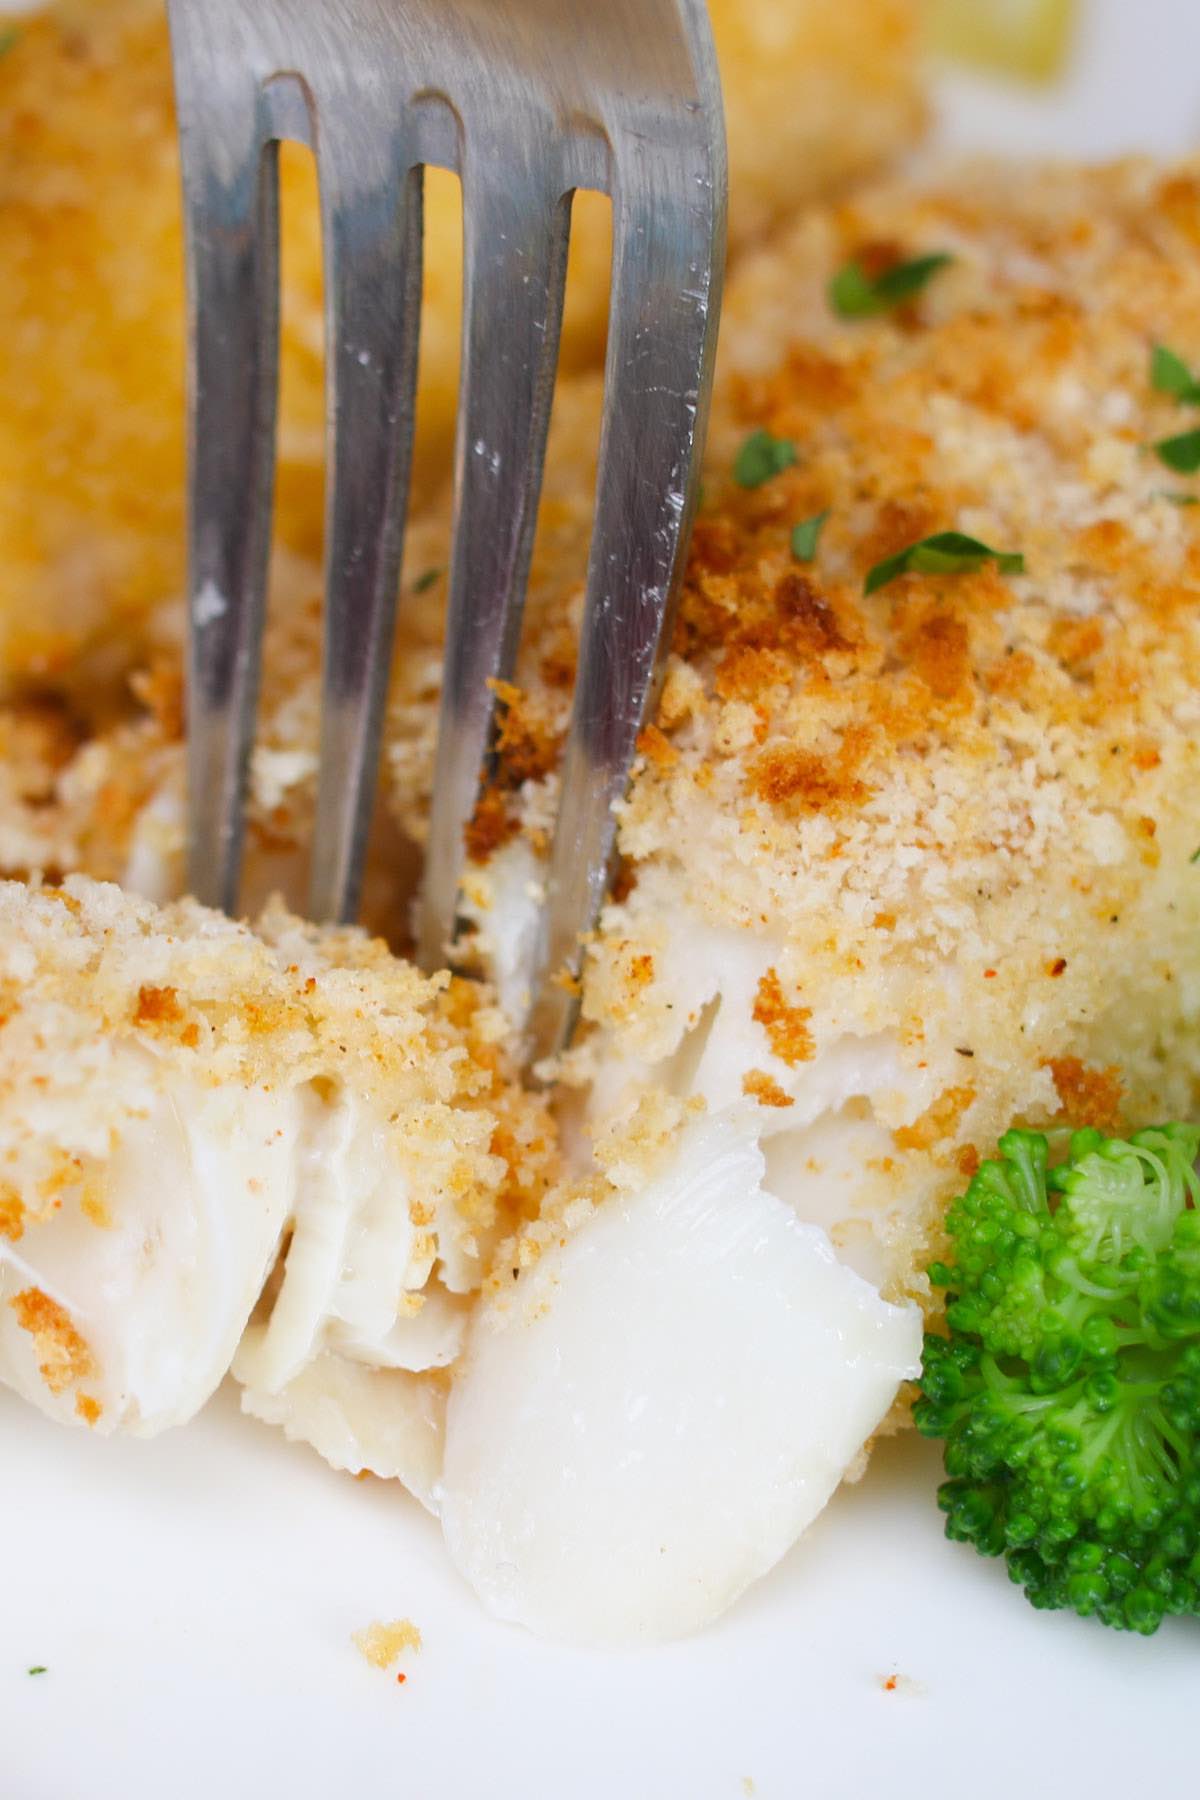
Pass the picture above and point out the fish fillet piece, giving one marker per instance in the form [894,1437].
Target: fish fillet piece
[200,1122]
[898,868]
[91,307]
[649,1418]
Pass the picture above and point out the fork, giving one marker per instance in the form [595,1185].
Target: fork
[528,100]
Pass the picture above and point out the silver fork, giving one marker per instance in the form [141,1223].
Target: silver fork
[528,100]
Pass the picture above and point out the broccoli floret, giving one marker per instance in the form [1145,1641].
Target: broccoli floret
[1068,1387]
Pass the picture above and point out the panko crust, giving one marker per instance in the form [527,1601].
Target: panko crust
[91,307]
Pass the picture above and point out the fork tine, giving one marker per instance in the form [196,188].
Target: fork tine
[516,230]
[373,290]
[230,187]
[667,266]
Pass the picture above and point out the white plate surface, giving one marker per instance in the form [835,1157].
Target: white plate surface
[193,1599]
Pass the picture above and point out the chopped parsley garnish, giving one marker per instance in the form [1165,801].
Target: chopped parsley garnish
[1169,374]
[806,535]
[37,1669]
[762,456]
[853,294]
[945,553]
[1178,499]
[8,39]
[1195,856]
[1180,453]
[425,580]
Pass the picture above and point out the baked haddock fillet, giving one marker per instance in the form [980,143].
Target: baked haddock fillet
[904,867]
[897,868]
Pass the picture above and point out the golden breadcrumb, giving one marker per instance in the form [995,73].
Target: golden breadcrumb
[91,329]
[63,1355]
[382,1645]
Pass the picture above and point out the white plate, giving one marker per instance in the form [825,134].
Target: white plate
[193,1598]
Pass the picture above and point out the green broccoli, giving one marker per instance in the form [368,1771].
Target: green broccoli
[1068,1388]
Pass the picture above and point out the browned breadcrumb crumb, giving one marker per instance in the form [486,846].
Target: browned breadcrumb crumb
[157,1006]
[786,776]
[490,825]
[938,1122]
[12,1213]
[900,1684]
[526,746]
[786,1026]
[160,690]
[654,744]
[1088,1096]
[760,1086]
[63,1355]
[88,1408]
[382,1644]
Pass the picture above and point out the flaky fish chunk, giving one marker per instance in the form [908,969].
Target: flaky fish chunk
[200,1123]
[663,1396]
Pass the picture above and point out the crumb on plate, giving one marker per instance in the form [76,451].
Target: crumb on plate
[381,1644]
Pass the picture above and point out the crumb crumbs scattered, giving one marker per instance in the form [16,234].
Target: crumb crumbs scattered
[382,1644]
[747,1784]
[896,1683]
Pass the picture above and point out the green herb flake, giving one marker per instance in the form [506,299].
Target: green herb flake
[806,535]
[761,457]
[9,39]
[853,294]
[425,581]
[37,1669]
[1180,453]
[945,553]
[1195,856]
[1177,499]
[1169,374]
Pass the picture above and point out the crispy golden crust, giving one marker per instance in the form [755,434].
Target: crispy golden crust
[91,351]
